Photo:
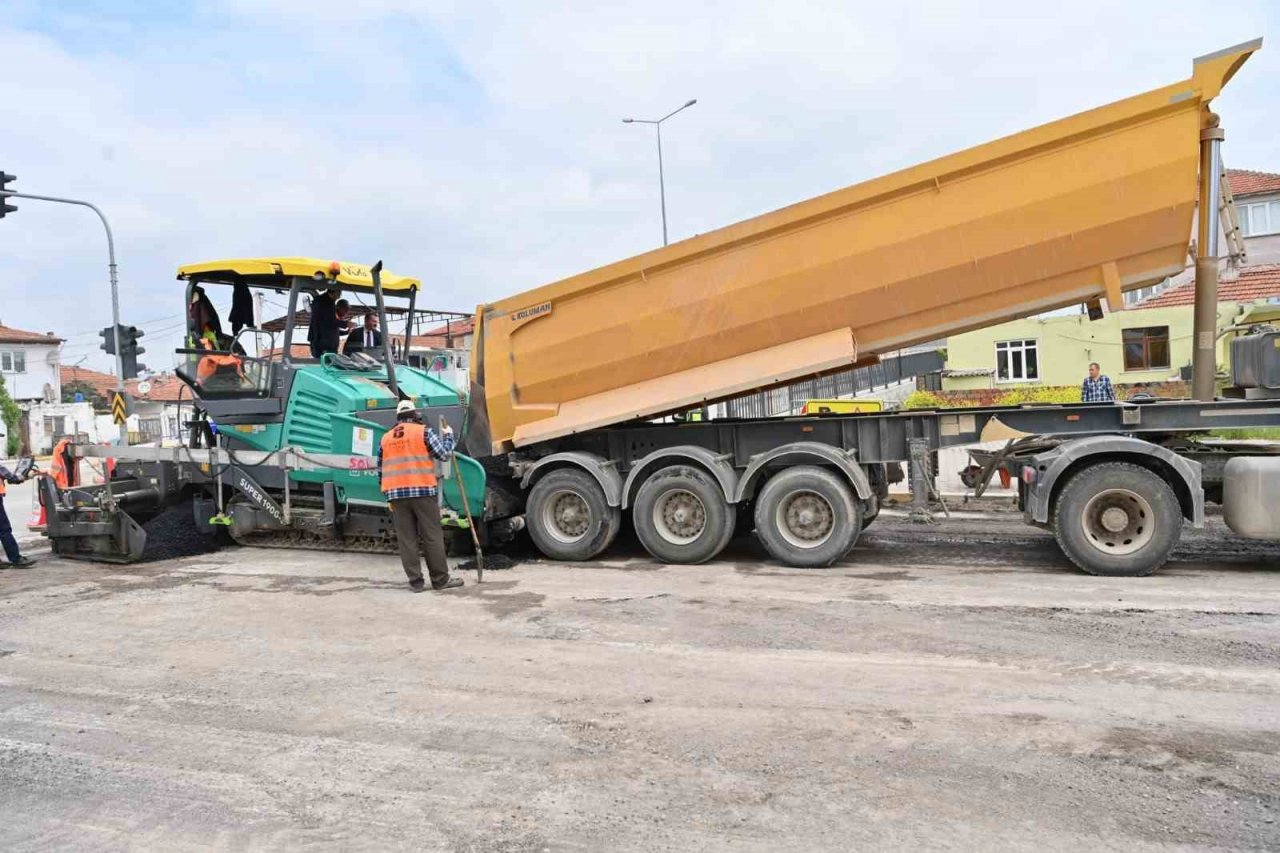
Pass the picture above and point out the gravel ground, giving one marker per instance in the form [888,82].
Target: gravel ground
[951,686]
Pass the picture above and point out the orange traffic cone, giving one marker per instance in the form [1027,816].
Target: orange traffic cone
[38,520]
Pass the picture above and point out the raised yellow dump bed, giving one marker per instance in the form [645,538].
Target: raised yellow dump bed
[1085,207]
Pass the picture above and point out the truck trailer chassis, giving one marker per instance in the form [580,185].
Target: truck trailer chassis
[1114,482]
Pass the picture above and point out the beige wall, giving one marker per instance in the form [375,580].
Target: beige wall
[1066,345]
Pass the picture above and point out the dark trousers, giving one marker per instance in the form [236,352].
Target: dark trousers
[417,522]
[11,545]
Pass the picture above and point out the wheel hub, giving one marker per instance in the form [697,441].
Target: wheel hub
[680,516]
[567,516]
[1118,521]
[807,519]
[1114,519]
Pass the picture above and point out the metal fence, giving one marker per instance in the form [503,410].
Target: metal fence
[786,399]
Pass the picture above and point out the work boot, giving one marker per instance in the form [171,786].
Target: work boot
[417,586]
[23,563]
[451,583]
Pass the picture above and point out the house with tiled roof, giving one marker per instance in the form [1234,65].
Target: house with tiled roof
[1150,341]
[1246,286]
[157,400]
[1257,197]
[29,364]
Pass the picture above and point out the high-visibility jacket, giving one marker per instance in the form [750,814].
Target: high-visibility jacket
[62,468]
[211,364]
[406,461]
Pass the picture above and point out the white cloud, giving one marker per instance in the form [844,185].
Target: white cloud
[480,145]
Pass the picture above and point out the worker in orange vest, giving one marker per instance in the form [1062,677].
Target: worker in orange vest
[63,467]
[16,559]
[406,466]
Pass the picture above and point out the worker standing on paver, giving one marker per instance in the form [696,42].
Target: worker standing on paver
[16,560]
[1096,387]
[62,465]
[322,328]
[406,466]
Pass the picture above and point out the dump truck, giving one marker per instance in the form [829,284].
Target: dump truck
[568,424]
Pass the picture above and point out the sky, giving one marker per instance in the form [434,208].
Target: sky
[480,146]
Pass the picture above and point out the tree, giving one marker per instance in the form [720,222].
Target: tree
[91,395]
[12,414]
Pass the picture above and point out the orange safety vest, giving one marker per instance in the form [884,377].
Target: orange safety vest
[406,462]
[64,476]
[210,364]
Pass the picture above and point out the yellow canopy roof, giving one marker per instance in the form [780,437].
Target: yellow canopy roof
[269,271]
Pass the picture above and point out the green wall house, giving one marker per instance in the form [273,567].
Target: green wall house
[1135,346]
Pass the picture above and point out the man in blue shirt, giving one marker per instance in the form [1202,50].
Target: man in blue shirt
[1096,388]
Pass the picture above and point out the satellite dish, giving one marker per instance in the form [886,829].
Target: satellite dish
[144,388]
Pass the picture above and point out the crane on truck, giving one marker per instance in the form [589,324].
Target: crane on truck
[563,427]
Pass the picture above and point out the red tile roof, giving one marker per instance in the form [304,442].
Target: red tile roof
[457,328]
[295,351]
[102,383]
[161,387]
[1250,284]
[1249,182]
[18,336]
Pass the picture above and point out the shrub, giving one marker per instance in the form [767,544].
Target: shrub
[930,400]
[1033,394]
[11,414]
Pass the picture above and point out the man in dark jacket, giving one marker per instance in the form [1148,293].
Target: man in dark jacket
[366,339]
[322,333]
[16,560]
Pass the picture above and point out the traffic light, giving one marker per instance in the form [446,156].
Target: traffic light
[5,207]
[129,339]
[129,351]
[130,365]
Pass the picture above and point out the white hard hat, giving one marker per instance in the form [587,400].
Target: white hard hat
[404,407]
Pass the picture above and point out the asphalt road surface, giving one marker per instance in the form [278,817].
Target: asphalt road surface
[957,686]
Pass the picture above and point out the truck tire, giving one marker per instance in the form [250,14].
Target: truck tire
[681,516]
[568,516]
[1117,519]
[807,517]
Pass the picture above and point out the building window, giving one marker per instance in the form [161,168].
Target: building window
[150,428]
[55,426]
[1146,348]
[1261,218]
[13,362]
[1017,361]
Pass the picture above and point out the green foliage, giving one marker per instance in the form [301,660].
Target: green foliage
[91,395]
[12,414]
[930,400]
[1036,394]
[1269,433]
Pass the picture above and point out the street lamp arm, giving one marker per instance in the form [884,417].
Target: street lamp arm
[111,267]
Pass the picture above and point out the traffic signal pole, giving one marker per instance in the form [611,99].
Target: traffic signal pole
[115,286]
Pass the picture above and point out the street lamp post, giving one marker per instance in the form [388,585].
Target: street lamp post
[111,271]
[662,188]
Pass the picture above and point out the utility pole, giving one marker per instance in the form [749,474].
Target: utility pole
[111,268]
[662,184]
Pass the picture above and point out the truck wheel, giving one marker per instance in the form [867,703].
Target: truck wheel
[569,517]
[807,516]
[681,516]
[1117,519]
